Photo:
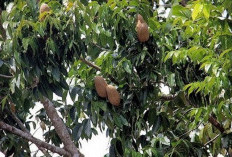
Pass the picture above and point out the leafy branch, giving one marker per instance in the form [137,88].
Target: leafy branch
[99,69]
[211,119]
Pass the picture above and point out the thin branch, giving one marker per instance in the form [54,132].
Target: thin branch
[160,82]
[168,97]
[98,46]
[213,139]
[164,5]
[60,128]
[99,69]
[190,130]
[23,128]
[90,64]
[32,139]
[211,119]
[6,76]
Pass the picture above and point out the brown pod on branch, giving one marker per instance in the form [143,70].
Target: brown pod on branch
[113,95]
[142,29]
[43,8]
[100,85]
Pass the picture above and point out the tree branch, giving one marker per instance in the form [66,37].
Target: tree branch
[18,121]
[168,97]
[213,139]
[211,119]
[6,76]
[90,64]
[99,69]
[190,130]
[215,123]
[29,137]
[164,5]
[60,128]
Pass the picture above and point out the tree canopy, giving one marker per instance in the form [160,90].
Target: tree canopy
[60,51]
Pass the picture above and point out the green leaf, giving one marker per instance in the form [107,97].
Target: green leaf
[181,11]
[1,62]
[127,66]
[72,113]
[56,74]
[157,124]
[206,11]
[77,131]
[196,10]
[124,121]
[87,127]
[74,92]
[225,52]
[171,79]
[3,102]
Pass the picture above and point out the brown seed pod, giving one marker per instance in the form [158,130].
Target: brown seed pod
[100,85]
[140,18]
[113,95]
[43,8]
[142,29]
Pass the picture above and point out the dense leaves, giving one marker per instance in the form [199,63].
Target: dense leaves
[188,52]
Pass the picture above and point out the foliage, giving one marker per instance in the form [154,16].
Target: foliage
[189,51]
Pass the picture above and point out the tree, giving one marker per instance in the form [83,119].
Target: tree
[59,52]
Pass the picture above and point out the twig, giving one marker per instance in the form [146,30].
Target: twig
[6,76]
[102,48]
[164,5]
[34,140]
[35,131]
[60,128]
[213,139]
[190,130]
[90,64]
[99,69]
[160,82]
[168,97]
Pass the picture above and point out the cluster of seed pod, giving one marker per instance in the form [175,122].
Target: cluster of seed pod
[107,91]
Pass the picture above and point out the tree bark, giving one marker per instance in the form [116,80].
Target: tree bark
[32,139]
[215,123]
[60,128]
